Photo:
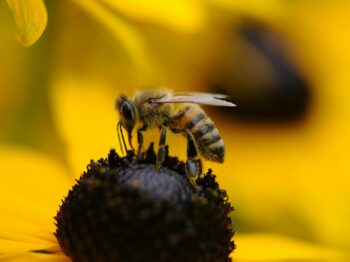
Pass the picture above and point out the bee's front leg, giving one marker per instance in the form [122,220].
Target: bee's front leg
[121,138]
[140,139]
[193,163]
[162,150]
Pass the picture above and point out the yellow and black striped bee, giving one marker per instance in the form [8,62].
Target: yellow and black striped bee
[180,113]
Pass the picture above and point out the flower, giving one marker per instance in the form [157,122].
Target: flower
[123,204]
[34,184]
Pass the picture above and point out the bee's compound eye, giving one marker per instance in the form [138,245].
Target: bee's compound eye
[128,115]
[127,111]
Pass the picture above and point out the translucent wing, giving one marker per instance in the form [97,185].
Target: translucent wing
[197,98]
[222,96]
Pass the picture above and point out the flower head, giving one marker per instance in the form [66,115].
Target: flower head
[122,205]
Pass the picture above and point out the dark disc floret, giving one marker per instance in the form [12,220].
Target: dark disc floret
[124,209]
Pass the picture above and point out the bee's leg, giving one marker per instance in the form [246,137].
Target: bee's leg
[161,150]
[121,137]
[193,163]
[140,139]
[130,141]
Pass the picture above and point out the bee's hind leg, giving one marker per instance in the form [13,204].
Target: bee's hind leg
[162,150]
[193,163]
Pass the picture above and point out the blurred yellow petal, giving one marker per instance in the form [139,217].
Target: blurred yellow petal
[31,19]
[182,15]
[294,186]
[324,47]
[268,247]
[298,182]
[257,9]
[124,32]
[86,119]
[31,190]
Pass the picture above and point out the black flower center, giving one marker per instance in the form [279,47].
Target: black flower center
[122,209]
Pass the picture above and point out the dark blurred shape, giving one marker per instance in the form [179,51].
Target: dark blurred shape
[262,81]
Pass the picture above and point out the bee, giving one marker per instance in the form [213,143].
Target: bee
[180,113]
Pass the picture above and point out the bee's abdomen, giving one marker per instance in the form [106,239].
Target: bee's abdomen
[206,135]
[209,141]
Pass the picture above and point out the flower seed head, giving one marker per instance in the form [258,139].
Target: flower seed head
[122,209]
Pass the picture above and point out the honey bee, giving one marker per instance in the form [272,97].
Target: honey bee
[179,113]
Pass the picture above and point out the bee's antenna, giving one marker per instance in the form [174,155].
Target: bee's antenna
[120,134]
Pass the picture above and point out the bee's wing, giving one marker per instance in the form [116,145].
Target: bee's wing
[220,96]
[197,98]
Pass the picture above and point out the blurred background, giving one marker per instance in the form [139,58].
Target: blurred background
[286,64]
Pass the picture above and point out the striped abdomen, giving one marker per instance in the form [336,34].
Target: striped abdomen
[208,140]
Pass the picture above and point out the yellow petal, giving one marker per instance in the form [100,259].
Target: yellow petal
[325,194]
[294,178]
[256,9]
[8,247]
[30,192]
[269,247]
[125,33]
[18,251]
[34,257]
[181,15]
[86,119]
[31,19]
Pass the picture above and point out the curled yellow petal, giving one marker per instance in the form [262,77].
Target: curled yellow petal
[31,19]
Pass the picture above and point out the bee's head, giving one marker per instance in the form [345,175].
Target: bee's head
[127,111]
